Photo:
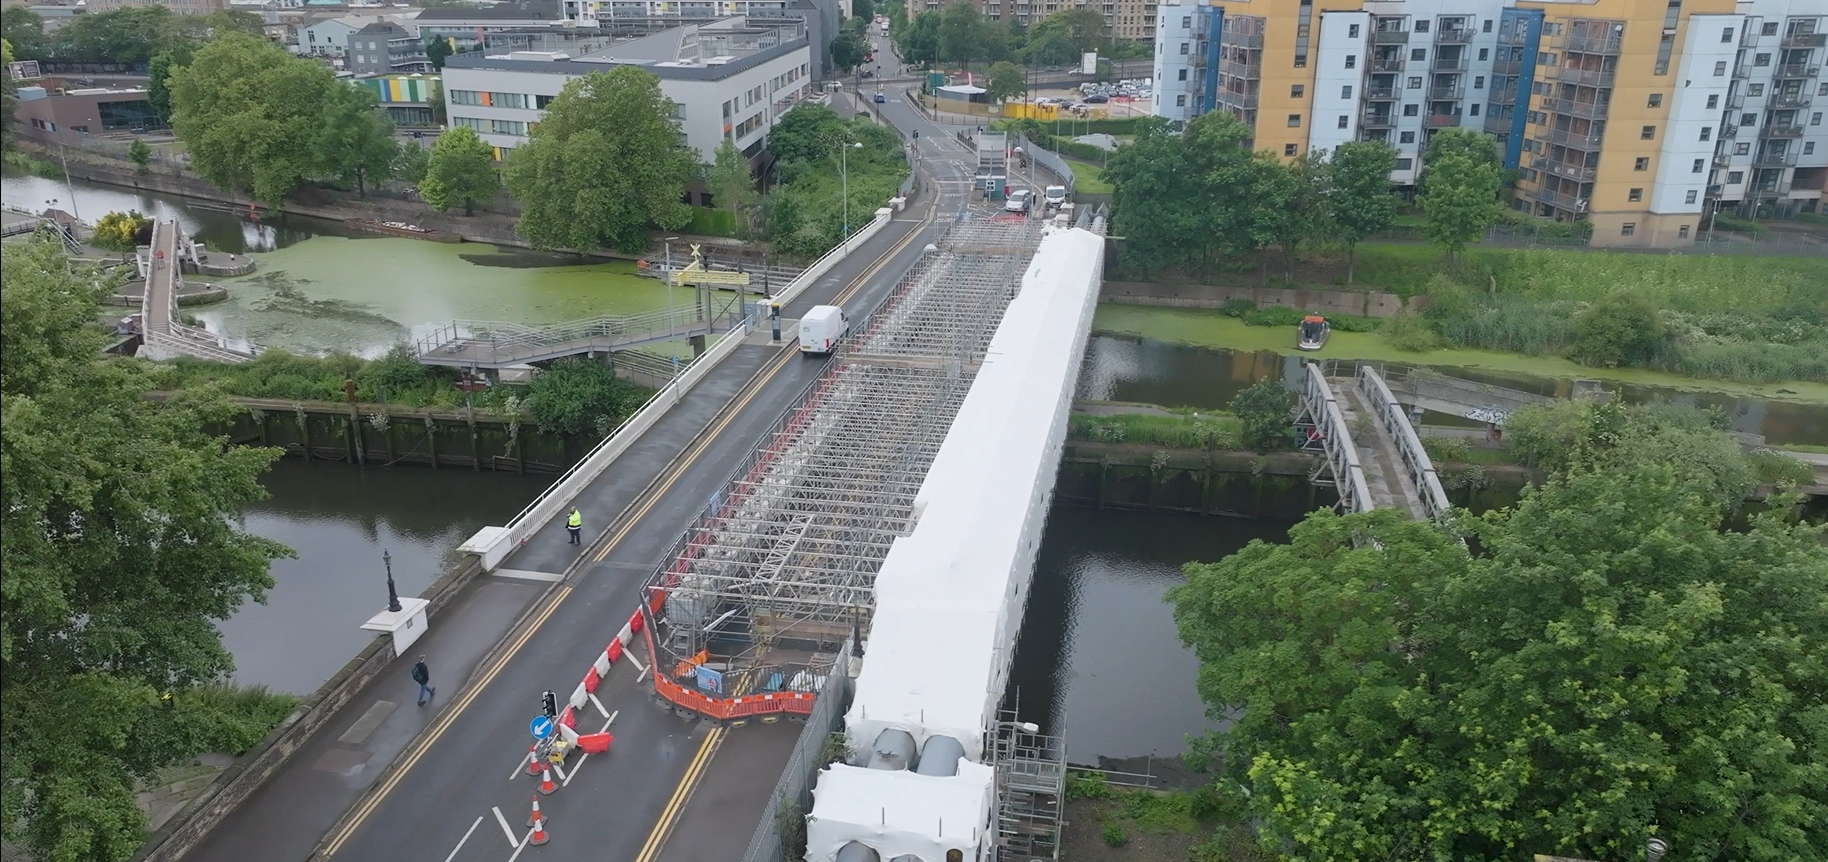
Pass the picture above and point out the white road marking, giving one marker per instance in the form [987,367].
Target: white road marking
[635,661]
[560,769]
[612,720]
[522,845]
[466,838]
[593,699]
[509,830]
[643,676]
[520,767]
[580,767]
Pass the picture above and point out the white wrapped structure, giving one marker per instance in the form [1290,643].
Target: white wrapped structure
[951,593]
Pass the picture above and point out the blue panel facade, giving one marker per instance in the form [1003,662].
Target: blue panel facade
[1213,18]
[1526,80]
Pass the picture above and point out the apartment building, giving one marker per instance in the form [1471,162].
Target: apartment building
[1127,19]
[731,78]
[1640,118]
[384,48]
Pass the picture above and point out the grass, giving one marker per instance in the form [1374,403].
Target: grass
[1178,431]
[28,163]
[1089,178]
[1804,447]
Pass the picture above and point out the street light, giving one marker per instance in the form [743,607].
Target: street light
[393,597]
[844,178]
[666,277]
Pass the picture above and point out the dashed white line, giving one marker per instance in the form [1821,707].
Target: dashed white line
[505,828]
[599,704]
[520,845]
[520,767]
[466,838]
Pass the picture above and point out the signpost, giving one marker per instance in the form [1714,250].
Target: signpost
[540,727]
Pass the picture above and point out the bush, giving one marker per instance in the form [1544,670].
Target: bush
[1237,307]
[1447,450]
[1408,331]
[1263,410]
[1088,785]
[1622,329]
[1114,835]
[581,396]
[123,231]
[1212,430]
[398,377]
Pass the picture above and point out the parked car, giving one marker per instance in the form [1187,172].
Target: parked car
[1097,99]
[1018,201]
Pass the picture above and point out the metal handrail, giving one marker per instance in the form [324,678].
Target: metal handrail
[1336,441]
[1409,446]
[511,340]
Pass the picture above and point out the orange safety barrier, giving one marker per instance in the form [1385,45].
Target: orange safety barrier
[614,652]
[569,718]
[724,709]
[634,622]
[591,681]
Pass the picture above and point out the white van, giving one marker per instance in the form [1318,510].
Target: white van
[821,329]
[1056,195]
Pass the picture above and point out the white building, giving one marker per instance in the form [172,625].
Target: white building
[820,17]
[330,37]
[729,79]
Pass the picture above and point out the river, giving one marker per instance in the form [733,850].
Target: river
[319,287]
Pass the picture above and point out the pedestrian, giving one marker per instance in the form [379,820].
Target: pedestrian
[575,524]
[423,676]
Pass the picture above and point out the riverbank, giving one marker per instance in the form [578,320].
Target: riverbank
[1207,328]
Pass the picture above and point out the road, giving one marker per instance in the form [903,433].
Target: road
[457,759]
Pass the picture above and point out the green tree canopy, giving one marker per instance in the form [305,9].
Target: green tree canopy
[1612,666]
[355,141]
[731,180]
[120,553]
[412,162]
[1266,412]
[918,42]
[459,171]
[606,162]
[1005,81]
[1360,203]
[437,50]
[1478,147]
[158,72]
[250,115]
[1460,199]
[1061,37]
[961,33]
[24,30]
[847,50]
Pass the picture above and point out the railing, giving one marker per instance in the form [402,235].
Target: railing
[1590,44]
[1577,173]
[1436,121]
[1586,110]
[1389,37]
[1588,77]
[1781,101]
[1735,100]
[1454,36]
[1797,70]
[1781,132]
[1587,142]
[1455,64]
[1507,67]
[1415,459]
[1749,37]
[1051,161]
[1729,131]
[1377,118]
[1743,70]
[1240,70]
[1391,64]
[1721,160]
[1775,160]
[1380,93]
[510,342]
[1805,40]
[1321,406]
[1504,96]
[1241,39]
[1454,92]
[1557,199]
[792,796]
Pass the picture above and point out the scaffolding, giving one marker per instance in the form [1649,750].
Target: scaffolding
[748,612]
[1031,789]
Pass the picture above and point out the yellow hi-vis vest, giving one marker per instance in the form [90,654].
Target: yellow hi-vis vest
[576,520]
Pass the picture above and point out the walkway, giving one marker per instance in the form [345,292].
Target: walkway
[487,344]
[1372,454]
[165,336]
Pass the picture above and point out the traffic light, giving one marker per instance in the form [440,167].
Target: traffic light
[549,702]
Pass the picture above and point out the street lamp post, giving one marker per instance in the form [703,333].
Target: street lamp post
[393,596]
[666,275]
[844,178]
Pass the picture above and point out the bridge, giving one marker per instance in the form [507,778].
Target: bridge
[1370,451]
[165,335]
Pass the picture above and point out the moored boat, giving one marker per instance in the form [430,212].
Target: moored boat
[1312,332]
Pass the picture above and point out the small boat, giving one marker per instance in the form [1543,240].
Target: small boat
[1312,332]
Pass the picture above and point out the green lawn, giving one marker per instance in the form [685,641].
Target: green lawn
[1089,178]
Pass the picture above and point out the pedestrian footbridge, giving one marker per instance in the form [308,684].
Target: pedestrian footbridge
[164,333]
[493,344]
[1371,452]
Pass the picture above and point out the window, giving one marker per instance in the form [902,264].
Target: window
[1351,61]
[1744,149]
[1184,49]
[468,123]
[1755,89]
[1642,164]
[1635,195]
[1648,133]
[1289,149]
[1808,148]
[1734,178]
[1352,31]
[1725,36]
[1484,53]
[1656,100]
[1690,197]
[507,127]
[1415,82]
[1682,232]
[1187,23]
[466,97]
[1700,165]
[1628,228]
[1769,29]
[1713,102]
[1410,110]
[1475,109]
[1180,101]
[1707,133]
[1815,119]
[541,102]
[1296,91]
[1405,164]
[1822,90]
[1407,138]
[1418,54]
[1345,92]
[1421,25]
[1748,119]
[1719,67]
[1343,119]
[1487,27]
[1761,59]
[1479,82]
[1183,74]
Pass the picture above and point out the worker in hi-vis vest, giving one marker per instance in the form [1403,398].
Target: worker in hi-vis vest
[575,523]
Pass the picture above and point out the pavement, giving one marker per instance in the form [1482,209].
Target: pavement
[427,783]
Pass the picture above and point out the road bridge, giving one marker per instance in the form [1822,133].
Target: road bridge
[165,335]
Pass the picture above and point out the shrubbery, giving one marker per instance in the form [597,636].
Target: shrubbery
[582,396]
[123,231]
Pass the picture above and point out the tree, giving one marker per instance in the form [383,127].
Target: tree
[131,34]
[437,99]
[159,71]
[961,33]
[1158,204]
[1613,665]
[1360,203]
[1460,199]
[863,10]
[803,136]
[24,30]
[411,163]
[8,99]
[1291,201]
[250,115]
[140,153]
[918,42]
[604,164]
[847,50]
[1478,147]
[1265,410]
[731,180]
[459,172]
[1006,81]
[120,553]
[437,50]
[1622,328]
[121,231]
[580,396]
[354,141]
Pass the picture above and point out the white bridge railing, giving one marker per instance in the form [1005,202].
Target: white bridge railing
[1320,411]
[1396,423]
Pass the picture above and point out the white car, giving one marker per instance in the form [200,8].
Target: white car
[1018,201]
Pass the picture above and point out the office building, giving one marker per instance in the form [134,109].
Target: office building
[406,99]
[1639,118]
[728,79]
[821,18]
[75,114]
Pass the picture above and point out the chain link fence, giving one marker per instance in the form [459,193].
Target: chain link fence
[782,830]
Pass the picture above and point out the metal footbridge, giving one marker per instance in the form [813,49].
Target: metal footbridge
[1371,452]
[164,333]
[495,344]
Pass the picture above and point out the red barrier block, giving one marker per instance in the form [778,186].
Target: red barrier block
[569,718]
[615,650]
[634,622]
[594,743]
[591,680]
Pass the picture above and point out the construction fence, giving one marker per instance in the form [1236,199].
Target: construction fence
[781,833]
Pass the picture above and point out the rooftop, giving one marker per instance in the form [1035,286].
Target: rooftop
[705,52]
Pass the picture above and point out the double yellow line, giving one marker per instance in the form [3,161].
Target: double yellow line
[366,807]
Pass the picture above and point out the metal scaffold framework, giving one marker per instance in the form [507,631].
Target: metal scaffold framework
[750,609]
[1031,789]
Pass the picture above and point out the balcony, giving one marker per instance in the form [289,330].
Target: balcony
[1389,37]
[1249,71]
[1588,110]
[1377,119]
[1721,160]
[1585,142]
[1507,67]
[1778,188]
[1591,78]
[1735,101]
[1590,44]
[1380,94]
[1241,40]
[1441,121]
[1389,64]
[1805,40]
[1557,200]
[1780,101]
[1456,64]
[1749,36]
[1506,96]
[1743,70]
[1727,132]
[1563,169]
[1784,159]
[1459,36]
[1797,70]
[1447,93]
[1781,132]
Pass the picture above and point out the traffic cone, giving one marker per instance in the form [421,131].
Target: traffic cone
[533,759]
[536,818]
[546,785]
[539,833]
